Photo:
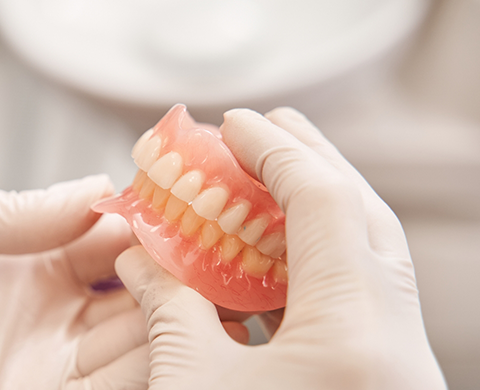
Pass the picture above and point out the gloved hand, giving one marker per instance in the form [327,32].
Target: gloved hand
[55,332]
[352,319]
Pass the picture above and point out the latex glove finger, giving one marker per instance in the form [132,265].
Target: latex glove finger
[129,372]
[110,340]
[187,339]
[328,255]
[386,233]
[105,305]
[154,287]
[93,255]
[35,221]
[320,202]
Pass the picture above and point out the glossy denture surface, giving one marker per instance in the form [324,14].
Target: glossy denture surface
[203,218]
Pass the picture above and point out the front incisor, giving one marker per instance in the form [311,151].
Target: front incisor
[166,170]
[188,186]
[232,218]
[255,263]
[210,203]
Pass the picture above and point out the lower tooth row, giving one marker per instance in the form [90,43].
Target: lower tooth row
[256,260]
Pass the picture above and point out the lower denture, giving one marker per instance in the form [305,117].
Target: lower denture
[214,252]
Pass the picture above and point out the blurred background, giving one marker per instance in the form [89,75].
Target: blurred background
[395,84]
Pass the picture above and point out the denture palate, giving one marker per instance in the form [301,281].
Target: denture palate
[162,180]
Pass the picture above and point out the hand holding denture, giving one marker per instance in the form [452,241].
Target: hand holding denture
[56,332]
[352,318]
[203,218]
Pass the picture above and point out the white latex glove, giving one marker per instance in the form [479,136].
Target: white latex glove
[352,319]
[55,333]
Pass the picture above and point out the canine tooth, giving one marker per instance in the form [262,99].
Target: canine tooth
[139,180]
[148,153]
[188,186]
[140,142]
[210,203]
[255,263]
[191,221]
[174,208]
[160,197]
[166,170]
[272,245]
[252,230]
[280,272]
[211,232]
[147,189]
[230,246]
[231,219]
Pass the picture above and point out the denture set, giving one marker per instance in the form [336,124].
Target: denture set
[204,219]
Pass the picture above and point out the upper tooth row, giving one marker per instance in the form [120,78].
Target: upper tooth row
[166,172]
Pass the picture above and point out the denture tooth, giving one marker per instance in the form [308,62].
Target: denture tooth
[147,189]
[272,245]
[255,263]
[211,233]
[191,221]
[280,272]
[175,208]
[252,230]
[148,153]
[140,142]
[160,198]
[230,247]
[166,170]
[139,180]
[231,219]
[188,186]
[210,203]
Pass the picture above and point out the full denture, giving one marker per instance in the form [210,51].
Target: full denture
[203,218]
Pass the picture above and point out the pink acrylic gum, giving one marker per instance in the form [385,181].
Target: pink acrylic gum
[252,280]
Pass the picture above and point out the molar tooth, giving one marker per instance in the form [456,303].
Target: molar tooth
[210,203]
[211,233]
[191,221]
[166,170]
[148,153]
[272,245]
[139,180]
[252,230]
[160,197]
[280,272]
[230,247]
[174,208]
[147,189]
[140,142]
[188,186]
[231,219]
[255,263]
